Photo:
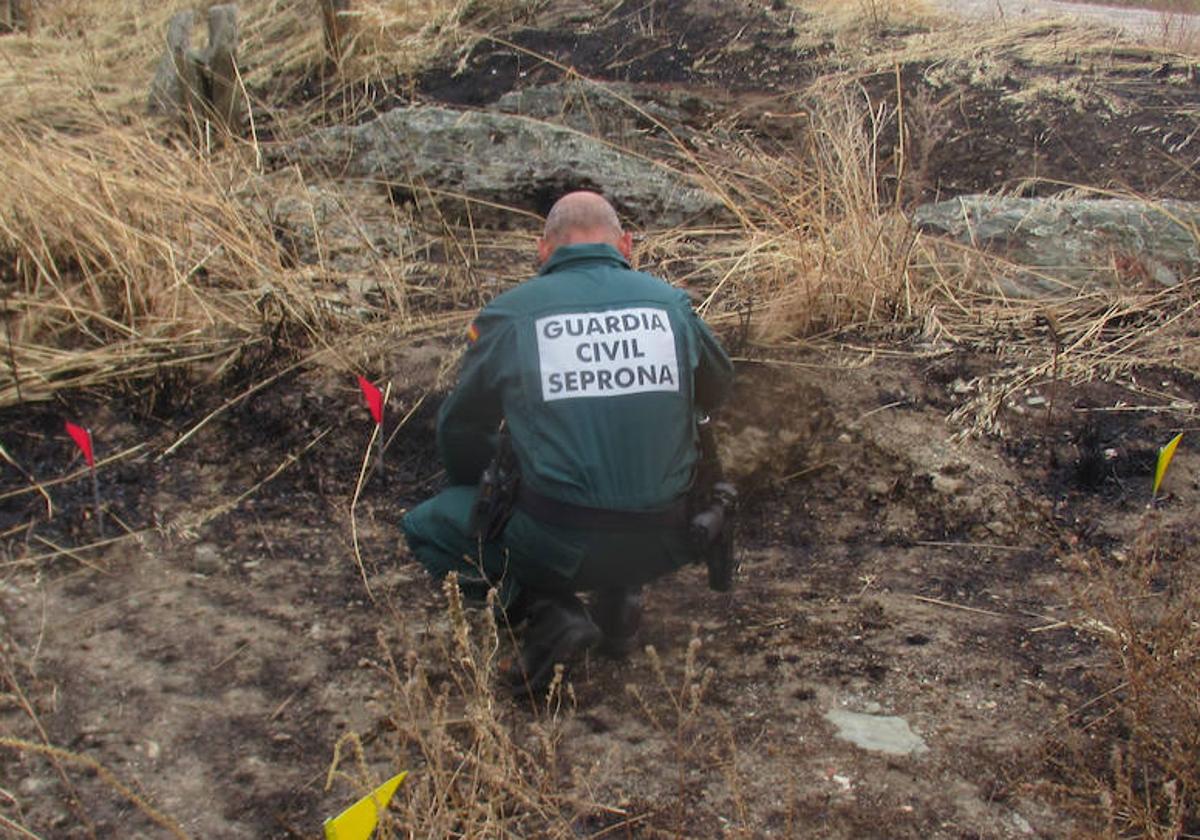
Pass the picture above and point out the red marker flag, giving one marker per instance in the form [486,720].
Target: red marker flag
[83,439]
[374,400]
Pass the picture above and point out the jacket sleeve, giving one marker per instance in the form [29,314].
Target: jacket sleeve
[714,370]
[470,416]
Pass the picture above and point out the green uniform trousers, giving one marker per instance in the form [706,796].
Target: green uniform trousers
[533,556]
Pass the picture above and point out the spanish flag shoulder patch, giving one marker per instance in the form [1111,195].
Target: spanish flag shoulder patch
[473,333]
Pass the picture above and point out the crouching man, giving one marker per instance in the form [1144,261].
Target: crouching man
[587,382]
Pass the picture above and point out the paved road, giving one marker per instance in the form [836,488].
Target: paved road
[1155,26]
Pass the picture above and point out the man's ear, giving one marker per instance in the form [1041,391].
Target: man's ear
[545,250]
[625,245]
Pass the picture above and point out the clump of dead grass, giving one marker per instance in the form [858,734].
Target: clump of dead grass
[98,56]
[484,765]
[478,768]
[119,253]
[821,248]
[1102,335]
[825,247]
[1130,760]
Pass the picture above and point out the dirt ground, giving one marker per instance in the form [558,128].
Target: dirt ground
[1143,23]
[212,654]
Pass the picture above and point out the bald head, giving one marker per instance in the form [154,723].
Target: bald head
[583,217]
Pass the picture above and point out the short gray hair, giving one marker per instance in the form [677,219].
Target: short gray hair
[581,211]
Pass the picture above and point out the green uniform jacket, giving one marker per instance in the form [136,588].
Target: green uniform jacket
[600,371]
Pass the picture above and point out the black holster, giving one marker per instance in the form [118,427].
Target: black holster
[497,497]
[714,512]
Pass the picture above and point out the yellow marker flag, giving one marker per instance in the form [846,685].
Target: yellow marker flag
[1164,460]
[359,820]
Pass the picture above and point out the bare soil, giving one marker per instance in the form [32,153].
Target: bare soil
[212,658]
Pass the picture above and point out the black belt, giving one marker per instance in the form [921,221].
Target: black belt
[566,515]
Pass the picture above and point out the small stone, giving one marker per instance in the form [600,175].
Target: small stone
[33,785]
[207,558]
[891,735]
[878,487]
[998,528]
[1035,401]
[946,485]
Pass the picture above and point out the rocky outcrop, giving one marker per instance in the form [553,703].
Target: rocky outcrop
[505,160]
[1074,244]
[200,85]
[15,15]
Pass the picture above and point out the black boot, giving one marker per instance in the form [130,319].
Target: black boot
[618,612]
[559,631]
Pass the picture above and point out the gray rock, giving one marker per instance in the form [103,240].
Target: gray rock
[503,159]
[167,91]
[225,95]
[190,84]
[1073,244]
[881,733]
[15,15]
[207,559]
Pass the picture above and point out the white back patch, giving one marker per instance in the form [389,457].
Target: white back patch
[606,354]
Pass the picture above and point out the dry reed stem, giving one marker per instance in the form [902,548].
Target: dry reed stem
[40,487]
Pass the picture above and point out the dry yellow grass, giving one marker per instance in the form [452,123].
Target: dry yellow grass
[119,251]
[99,55]
[128,251]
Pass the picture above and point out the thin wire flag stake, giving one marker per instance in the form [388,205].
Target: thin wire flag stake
[83,439]
[375,401]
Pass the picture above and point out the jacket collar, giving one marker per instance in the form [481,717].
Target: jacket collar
[573,254]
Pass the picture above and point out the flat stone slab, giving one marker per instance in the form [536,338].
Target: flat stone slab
[1073,245]
[505,160]
[881,733]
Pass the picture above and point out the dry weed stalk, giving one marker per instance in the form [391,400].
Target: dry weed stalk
[477,770]
[679,714]
[1132,765]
